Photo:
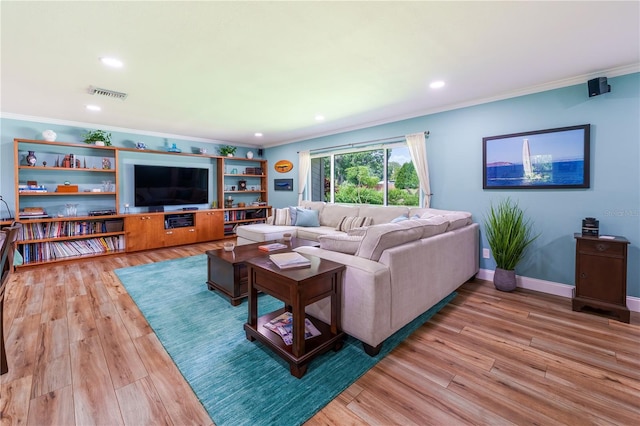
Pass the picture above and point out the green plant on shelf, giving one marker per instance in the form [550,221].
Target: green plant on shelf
[98,137]
[227,150]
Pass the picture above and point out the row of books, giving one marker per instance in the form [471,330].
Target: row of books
[283,326]
[235,215]
[32,188]
[37,231]
[42,252]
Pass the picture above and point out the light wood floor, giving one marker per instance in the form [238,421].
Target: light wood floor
[80,353]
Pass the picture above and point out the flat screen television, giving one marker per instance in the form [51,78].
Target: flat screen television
[170,186]
[542,159]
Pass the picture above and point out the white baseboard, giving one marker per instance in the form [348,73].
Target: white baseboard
[550,287]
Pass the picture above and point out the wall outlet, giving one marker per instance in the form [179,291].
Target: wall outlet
[486,254]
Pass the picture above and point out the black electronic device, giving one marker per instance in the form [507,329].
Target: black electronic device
[260,152]
[190,208]
[105,212]
[178,220]
[169,186]
[590,227]
[598,86]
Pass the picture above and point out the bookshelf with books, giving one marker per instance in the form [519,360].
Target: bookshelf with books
[51,240]
[59,187]
[242,191]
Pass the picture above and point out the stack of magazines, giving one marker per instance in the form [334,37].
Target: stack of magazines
[290,260]
[283,325]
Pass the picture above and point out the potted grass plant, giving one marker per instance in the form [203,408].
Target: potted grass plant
[509,234]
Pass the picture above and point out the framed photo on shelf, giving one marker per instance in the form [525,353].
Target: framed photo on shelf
[542,159]
[283,184]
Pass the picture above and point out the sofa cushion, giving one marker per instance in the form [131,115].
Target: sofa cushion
[313,205]
[458,220]
[281,217]
[350,222]
[378,238]
[307,217]
[357,232]
[382,214]
[259,232]
[332,213]
[340,242]
[433,226]
[313,233]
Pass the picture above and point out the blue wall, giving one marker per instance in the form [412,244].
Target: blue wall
[455,158]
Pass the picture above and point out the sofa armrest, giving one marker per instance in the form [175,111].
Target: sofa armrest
[366,297]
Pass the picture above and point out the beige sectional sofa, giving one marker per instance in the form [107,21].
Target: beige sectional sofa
[396,268]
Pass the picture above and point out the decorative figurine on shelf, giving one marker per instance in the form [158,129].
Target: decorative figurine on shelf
[249,155]
[106,164]
[174,148]
[44,164]
[31,159]
[141,145]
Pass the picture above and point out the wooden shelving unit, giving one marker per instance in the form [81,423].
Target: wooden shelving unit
[232,171]
[97,164]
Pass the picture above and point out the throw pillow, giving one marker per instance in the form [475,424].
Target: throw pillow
[350,222]
[293,213]
[340,243]
[281,217]
[399,219]
[307,217]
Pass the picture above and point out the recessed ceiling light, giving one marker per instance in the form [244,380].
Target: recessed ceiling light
[257,135]
[112,62]
[319,117]
[94,108]
[437,84]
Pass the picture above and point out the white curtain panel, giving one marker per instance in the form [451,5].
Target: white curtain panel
[418,149]
[304,164]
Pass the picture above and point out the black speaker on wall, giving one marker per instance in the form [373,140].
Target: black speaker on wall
[598,86]
[260,152]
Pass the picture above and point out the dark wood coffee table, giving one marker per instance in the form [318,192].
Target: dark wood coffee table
[227,272]
[297,288]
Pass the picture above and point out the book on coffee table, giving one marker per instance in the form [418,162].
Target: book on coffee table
[272,247]
[283,325]
[290,260]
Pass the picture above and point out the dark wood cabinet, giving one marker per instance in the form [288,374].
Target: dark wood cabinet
[601,276]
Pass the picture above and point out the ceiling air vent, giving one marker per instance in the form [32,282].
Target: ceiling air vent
[108,93]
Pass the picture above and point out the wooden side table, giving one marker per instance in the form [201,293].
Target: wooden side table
[227,272]
[601,276]
[297,288]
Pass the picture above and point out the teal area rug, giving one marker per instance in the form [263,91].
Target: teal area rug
[240,382]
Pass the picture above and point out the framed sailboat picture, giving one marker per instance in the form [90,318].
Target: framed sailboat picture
[542,159]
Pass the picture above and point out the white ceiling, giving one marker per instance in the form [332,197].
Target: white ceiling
[222,71]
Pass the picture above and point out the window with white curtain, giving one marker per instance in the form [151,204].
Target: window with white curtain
[383,175]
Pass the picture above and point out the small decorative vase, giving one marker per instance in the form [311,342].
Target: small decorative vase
[49,135]
[250,155]
[31,158]
[504,280]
